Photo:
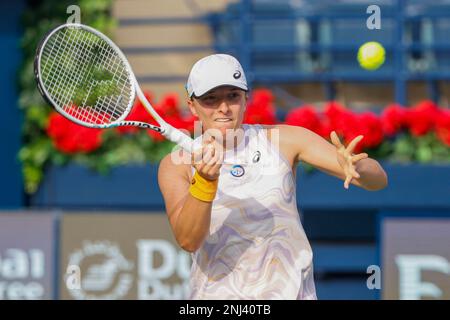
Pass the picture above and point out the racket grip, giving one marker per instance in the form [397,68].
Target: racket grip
[178,137]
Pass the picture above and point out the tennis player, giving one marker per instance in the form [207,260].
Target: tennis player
[233,203]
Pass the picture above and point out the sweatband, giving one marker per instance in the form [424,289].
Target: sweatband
[203,189]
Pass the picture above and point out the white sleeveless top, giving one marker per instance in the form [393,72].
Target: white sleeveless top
[256,247]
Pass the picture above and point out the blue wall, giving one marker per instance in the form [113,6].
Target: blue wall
[11,194]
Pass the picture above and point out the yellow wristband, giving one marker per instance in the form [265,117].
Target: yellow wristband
[202,188]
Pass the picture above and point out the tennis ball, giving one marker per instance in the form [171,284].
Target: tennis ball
[371,55]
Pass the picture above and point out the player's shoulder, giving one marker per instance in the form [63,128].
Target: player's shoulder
[283,127]
[285,131]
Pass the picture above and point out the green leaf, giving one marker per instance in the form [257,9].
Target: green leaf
[424,154]
[33,176]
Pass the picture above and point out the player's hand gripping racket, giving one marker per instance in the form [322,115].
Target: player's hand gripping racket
[88,80]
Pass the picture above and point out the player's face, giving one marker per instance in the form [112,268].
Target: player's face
[221,108]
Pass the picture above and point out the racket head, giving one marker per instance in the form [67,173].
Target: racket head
[84,76]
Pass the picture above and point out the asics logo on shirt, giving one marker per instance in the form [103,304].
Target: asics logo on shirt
[256,157]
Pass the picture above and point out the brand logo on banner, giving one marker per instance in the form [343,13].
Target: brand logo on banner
[175,262]
[416,258]
[104,264]
[26,253]
[21,272]
[410,269]
[119,256]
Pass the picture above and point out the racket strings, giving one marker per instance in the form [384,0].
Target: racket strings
[54,73]
[113,100]
[85,76]
[60,71]
[64,94]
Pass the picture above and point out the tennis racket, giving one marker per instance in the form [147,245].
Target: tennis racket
[88,80]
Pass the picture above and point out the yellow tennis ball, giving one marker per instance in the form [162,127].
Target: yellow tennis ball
[371,55]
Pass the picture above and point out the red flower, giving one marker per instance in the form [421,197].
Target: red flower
[443,126]
[69,137]
[181,123]
[325,128]
[349,125]
[169,110]
[260,108]
[393,119]
[262,97]
[177,122]
[138,113]
[421,118]
[86,114]
[168,106]
[370,126]
[188,122]
[341,120]
[338,116]
[306,117]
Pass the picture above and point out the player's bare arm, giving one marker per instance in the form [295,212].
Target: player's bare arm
[189,216]
[301,144]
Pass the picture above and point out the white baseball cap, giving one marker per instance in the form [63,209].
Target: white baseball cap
[214,71]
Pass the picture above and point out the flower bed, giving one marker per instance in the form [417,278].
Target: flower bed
[417,134]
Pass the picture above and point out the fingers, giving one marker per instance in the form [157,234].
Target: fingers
[346,159]
[360,156]
[197,156]
[348,179]
[208,153]
[211,170]
[335,139]
[214,170]
[354,173]
[208,159]
[205,152]
[213,157]
[350,174]
[351,146]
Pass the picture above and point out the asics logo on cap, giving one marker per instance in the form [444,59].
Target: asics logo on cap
[237,74]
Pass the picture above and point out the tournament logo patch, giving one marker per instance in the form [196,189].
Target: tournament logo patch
[237,171]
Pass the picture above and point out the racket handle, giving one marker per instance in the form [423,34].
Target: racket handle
[178,137]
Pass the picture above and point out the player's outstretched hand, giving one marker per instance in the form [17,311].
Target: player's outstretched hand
[347,160]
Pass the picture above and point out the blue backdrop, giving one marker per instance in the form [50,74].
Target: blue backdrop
[11,194]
